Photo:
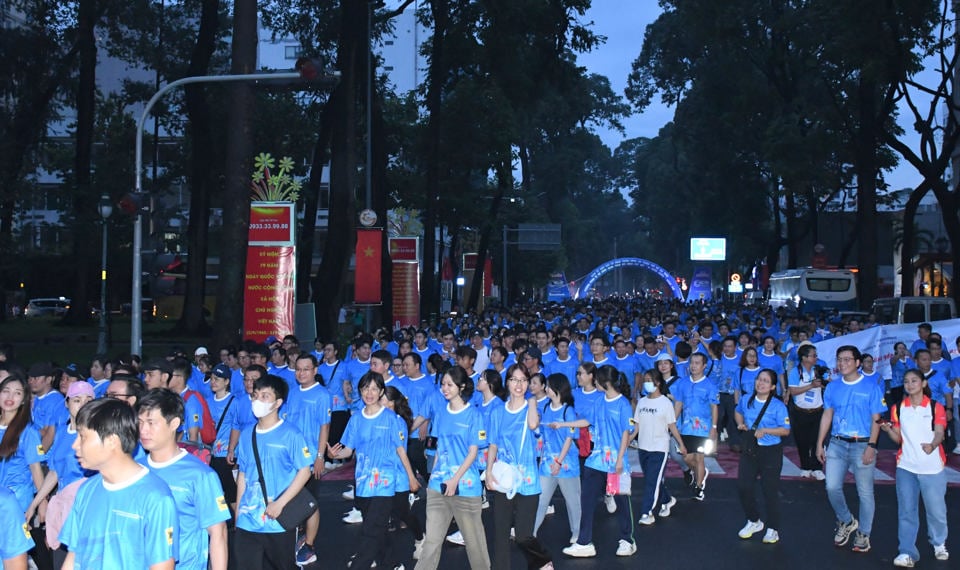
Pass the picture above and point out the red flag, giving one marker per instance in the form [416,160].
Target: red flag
[366,287]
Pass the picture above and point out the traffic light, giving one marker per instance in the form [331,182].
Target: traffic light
[310,68]
[135,203]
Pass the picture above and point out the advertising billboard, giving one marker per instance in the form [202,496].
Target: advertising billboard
[708,249]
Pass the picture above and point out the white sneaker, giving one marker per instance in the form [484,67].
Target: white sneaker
[647,519]
[904,561]
[573,539]
[485,504]
[456,538]
[353,517]
[956,450]
[751,528]
[626,548]
[703,484]
[513,533]
[550,510]
[940,552]
[771,537]
[330,466]
[819,475]
[665,508]
[417,549]
[611,504]
[806,473]
[577,550]
[348,494]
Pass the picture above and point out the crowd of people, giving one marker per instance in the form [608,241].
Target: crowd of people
[167,462]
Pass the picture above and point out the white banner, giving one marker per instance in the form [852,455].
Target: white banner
[878,341]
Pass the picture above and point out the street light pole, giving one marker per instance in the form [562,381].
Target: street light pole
[308,71]
[105,208]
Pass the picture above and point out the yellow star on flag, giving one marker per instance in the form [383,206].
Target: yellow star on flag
[368,252]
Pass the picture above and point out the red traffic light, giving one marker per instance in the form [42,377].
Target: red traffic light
[310,68]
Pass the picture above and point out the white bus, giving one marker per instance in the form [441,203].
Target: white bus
[814,290]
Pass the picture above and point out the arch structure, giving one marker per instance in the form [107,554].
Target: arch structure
[591,279]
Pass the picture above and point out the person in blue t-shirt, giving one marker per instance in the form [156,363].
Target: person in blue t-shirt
[565,363]
[202,510]
[512,439]
[15,540]
[224,410]
[48,411]
[763,417]
[900,362]
[697,400]
[21,454]
[851,408]
[286,461]
[613,425]
[125,517]
[379,440]
[454,488]
[559,466]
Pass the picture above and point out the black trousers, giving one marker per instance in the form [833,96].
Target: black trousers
[225,472]
[765,463]
[805,427]
[265,550]
[417,457]
[338,423]
[726,419]
[521,513]
[373,531]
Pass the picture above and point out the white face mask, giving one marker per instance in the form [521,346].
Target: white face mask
[649,387]
[261,409]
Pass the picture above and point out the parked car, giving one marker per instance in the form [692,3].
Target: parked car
[898,310]
[47,307]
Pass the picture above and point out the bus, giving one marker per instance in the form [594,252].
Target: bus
[813,290]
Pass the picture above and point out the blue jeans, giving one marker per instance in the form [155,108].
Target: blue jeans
[843,455]
[655,491]
[593,485]
[932,488]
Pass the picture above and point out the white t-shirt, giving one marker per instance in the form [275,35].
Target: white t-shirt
[652,417]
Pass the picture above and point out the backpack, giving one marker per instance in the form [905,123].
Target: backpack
[208,429]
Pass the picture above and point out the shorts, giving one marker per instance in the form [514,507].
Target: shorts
[694,443]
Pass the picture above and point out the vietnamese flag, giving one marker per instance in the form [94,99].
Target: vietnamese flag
[366,287]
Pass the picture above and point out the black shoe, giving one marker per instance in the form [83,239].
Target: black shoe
[688,478]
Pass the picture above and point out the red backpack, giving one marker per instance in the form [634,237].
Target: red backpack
[208,429]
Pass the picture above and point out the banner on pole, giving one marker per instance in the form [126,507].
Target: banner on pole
[269,283]
[406,293]
[367,277]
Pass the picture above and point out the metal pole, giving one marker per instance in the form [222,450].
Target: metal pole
[136,308]
[505,297]
[368,186]
[102,334]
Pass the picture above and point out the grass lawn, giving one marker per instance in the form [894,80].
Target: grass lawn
[47,338]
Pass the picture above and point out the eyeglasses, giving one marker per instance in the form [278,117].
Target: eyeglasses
[117,396]
[516,379]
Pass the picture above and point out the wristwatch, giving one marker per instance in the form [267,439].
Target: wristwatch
[872,444]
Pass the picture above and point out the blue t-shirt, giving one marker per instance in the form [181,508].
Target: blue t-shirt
[566,367]
[15,471]
[507,429]
[356,369]
[200,504]
[698,399]
[192,413]
[130,525]
[629,366]
[309,410]
[486,410]
[100,388]
[646,361]
[456,433]
[747,377]
[15,538]
[236,382]
[50,410]
[333,376]
[376,439]
[62,459]
[898,368]
[225,413]
[418,394]
[729,375]
[610,418]
[853,405]
[776,416]
[939,387]
[554,439]
[245,417]
[772,361]
[283,453]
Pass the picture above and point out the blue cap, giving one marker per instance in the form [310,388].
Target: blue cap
[222,371]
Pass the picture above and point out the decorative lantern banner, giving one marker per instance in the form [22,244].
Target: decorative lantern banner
[406,293]
[367,278]
[269,294]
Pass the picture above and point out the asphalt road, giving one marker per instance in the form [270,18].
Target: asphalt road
[697,535]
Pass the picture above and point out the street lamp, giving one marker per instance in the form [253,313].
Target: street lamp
[307,69]
[105,207]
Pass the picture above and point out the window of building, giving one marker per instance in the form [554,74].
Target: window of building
[292,52]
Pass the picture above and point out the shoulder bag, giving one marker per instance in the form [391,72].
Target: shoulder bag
[748,444]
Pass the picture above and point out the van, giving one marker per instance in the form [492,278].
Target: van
[899,310]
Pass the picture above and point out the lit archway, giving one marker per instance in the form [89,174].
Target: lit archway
[591,279]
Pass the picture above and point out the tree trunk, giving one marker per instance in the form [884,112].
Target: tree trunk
[907,245]
[239,164]
[504,181]
[202,176]
[867,139]
[311,197]
[84,250]
[327,290]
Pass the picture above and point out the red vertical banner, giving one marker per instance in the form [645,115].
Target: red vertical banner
[488,277]
[406,293]
[367,278]
[269,293]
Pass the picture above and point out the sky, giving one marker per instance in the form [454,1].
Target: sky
[623,23]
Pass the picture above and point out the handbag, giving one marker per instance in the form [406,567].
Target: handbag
[619,483]
[749,443]
[301,506]
[507,474]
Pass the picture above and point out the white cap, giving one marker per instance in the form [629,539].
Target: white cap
[201,350]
